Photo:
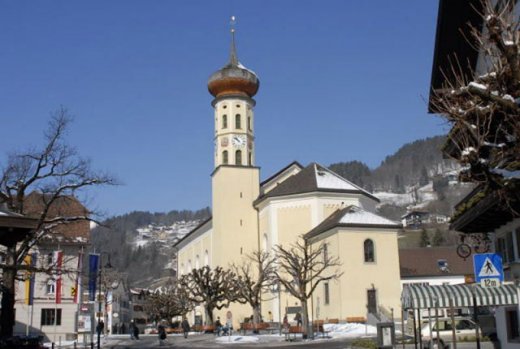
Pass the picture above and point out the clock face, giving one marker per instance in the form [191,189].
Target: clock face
[239,141]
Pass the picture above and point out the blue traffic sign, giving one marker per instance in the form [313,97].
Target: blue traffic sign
[488,266]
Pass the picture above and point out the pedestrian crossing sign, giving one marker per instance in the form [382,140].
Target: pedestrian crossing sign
[488,266]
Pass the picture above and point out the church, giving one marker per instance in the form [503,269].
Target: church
[250,215]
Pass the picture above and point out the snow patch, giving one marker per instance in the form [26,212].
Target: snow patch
[350,330]
[236,339]
[478,86]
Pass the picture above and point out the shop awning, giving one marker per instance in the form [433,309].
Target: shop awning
[426,296]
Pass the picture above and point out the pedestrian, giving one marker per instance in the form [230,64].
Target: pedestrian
[285,322]
[100,327]
[136,331]
[162,334]
[185,327]
[229,326]
[131,329]
[218,326]
[298,319]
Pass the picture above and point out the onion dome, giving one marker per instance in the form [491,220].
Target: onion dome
[233,78]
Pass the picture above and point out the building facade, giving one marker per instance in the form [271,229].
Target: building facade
[54,309]
[249,215]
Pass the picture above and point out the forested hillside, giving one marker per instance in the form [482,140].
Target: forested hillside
[413,164]
[117,234]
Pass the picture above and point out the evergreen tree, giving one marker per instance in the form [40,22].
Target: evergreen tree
[438,238]
[425,239]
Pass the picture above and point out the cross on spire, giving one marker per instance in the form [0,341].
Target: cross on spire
[233,60]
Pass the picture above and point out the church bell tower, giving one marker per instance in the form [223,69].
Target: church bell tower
[233,87]
[235,179]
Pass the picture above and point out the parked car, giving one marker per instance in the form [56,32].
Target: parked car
[464,328]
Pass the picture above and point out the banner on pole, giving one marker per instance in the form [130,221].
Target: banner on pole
[77,286]
[30,260]
[59,261]
[93,265]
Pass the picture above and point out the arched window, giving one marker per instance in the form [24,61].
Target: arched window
[206,258]
[249,123]
[225,157]
[197,262]
[369,250]
[182,271]
[250,158]
[238,121]
[265,242]
[189,266]
[238,157]
[224,121]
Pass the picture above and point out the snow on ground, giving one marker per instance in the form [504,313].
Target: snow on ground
[236,339]
[350,330]
[393,198]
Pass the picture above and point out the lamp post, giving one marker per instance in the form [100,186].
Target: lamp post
[107,266]
[275,288]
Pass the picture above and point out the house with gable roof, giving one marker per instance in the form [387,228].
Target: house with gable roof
[54,309]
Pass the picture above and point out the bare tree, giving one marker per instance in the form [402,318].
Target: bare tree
[483,110]
[167,303]
[302,267]
[255,275]
[215,288]
[57,174]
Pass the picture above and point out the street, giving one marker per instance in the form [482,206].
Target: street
[264,341]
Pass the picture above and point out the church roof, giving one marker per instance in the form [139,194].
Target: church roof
[352,217]
[315,178]
[292,164]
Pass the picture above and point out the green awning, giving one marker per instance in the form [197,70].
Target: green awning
[418,296]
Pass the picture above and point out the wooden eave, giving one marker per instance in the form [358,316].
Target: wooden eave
[14,229]
[485,216]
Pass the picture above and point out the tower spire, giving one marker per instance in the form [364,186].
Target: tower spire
[233,60]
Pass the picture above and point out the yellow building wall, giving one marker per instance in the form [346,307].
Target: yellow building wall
[235,220]
[235,223]
[348,295]
[293,222]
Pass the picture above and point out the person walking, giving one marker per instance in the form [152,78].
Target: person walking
[136,331]
[161,331]
[131,329]
[298,319]
[218,326]
[100,327]
[185,327]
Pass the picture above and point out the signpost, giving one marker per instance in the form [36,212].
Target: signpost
[488,269]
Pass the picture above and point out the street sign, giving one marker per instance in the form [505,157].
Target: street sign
[488,266]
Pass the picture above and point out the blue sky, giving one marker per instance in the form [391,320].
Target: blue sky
[340,81]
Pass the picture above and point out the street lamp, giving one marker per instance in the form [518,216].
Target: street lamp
[107,266]
[275,288]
